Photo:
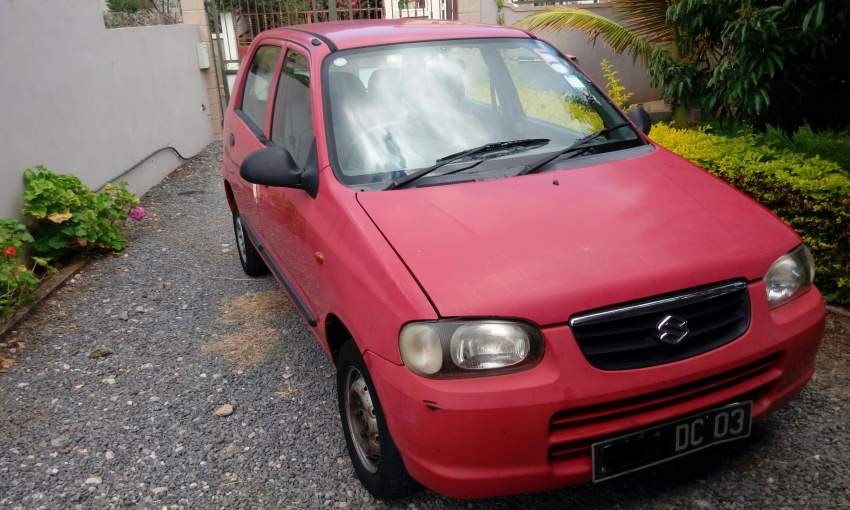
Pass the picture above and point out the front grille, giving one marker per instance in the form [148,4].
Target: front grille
[629,335]
[573,431]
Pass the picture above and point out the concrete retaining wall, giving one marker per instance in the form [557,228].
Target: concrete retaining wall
[82,99]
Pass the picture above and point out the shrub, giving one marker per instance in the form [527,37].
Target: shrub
[130,6]
[811,194]
[828,145]
[16,280]
[615,89]
[69,217]
[757,61]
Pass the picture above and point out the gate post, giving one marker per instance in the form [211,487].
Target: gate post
[195,13]
[217,53]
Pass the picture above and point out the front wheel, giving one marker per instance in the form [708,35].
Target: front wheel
[252,263]
[373,453]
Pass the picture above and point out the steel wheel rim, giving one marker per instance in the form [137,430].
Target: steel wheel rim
[362,420]
[240,238]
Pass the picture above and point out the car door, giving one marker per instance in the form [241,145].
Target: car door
[246,130]
[290,217]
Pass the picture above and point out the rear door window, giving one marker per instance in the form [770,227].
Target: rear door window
[255,95]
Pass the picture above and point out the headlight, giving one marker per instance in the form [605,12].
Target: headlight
[463,348]
[789,276]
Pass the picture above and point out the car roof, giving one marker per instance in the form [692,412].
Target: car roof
[360,33]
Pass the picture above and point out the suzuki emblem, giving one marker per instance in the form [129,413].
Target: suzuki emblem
[672,330]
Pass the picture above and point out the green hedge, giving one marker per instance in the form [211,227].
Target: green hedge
[830,146]
[811,194]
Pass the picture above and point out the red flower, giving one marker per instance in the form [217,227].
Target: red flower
[11,251]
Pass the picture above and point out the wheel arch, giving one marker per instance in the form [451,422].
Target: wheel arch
[336,334]
[231,199]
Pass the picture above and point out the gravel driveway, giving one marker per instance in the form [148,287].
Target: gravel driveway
[112,399]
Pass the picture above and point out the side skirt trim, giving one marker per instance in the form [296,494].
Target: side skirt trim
[296,298]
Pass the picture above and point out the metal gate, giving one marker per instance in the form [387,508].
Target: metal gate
[233,24]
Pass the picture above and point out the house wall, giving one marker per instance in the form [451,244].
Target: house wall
[633,75]
[82,99]
[469,11]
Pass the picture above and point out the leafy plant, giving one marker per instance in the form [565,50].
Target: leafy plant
[69,217]
[259,6]
[757,61]
[13,236]
[129,6]
[17,282]
[811,194]
[831,146]
[642,26]
[615,89]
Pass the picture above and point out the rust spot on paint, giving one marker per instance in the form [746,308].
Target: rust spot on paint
[319,257]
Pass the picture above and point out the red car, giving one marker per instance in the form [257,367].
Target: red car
[518,288]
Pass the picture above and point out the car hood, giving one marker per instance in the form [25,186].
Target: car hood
[545,246]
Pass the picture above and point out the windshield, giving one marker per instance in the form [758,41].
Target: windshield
[399,108]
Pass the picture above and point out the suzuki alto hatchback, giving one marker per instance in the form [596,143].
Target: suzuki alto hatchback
[519,290]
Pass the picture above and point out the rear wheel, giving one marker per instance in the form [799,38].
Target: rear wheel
[373,453]
[252,263]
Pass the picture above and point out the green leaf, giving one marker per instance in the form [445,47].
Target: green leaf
[619,38]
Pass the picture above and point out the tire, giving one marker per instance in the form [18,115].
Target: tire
[252,263]
[384,474]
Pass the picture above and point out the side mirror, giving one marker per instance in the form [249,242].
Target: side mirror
[274,166]
[641,119]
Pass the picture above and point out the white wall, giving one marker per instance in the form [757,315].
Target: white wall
[85,100]
[633,75]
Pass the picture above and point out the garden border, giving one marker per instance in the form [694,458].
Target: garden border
[839,310]
[47,286]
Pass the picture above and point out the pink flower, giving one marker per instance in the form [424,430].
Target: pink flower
[11,251]
[137,213]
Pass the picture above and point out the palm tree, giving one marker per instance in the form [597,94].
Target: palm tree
[642,26]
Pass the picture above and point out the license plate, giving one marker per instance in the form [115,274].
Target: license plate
[654,445]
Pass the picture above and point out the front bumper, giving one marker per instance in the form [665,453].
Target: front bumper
[531,431]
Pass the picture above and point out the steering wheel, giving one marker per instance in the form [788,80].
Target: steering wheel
[362,138]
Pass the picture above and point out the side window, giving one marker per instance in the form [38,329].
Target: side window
[292,119]
[256,94]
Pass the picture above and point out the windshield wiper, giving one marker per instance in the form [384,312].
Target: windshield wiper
[483,149]
[579,145]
